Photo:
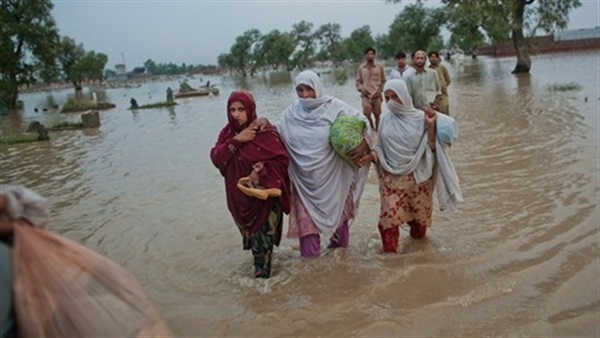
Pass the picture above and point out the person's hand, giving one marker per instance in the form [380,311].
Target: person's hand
[254,178]
[365,93]
[247,134]
[365,160]
[430,117]
[359,152]
[260,123]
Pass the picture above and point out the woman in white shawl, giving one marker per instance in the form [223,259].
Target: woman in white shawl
[411,160]
[325,188]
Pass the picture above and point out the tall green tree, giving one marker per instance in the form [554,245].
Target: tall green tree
[519,19]
[330,40]
[241,50]
[150,66]
[417,27]
[225,60]
[386,49]
[304,36]
[79,65]
[357,42]
[275,50]
[464,24]
[27,35]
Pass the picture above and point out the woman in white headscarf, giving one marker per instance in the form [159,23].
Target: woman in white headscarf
[411,161]
[325,188]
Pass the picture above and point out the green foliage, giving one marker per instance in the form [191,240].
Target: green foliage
[28,35]
[77,104]
[358,41]
[67,125]
[386,48]
[23,138]
[242,48]
[341,76]
[138,70]
[304,38]
[184,86]
[563,87]
[170,68]
[78,65]
[330,40]
[417,27]
[155,105]
[274,49]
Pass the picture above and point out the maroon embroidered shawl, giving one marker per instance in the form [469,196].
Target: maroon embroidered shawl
[251,213]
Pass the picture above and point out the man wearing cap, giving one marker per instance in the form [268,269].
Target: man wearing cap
[424,85]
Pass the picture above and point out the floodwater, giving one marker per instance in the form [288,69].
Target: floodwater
[519,258]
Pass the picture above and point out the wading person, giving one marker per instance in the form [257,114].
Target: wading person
[244,151]
[370,78]
[408,155]
[325,187]
[402,70]
[424,85]
[435,63]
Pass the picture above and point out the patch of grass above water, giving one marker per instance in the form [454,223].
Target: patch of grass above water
[67,125]
[155,105]
[24,138]
[564,87]
[79,105]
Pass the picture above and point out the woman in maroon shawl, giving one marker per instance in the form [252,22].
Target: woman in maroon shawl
[244,151]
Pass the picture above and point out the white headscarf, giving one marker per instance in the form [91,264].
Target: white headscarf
[402,148]
[319,175]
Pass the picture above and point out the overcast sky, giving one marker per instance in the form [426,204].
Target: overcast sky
[196,32]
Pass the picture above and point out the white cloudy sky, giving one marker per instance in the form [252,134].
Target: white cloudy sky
[197,31]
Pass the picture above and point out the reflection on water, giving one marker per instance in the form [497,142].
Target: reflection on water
[519,258]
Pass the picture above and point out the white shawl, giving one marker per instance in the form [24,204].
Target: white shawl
[320,176]
[402,148]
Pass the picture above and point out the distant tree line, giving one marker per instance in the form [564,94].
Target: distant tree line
[153,68]
[31,50]
[474,22]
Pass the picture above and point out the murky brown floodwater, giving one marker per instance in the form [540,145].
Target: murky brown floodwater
[519,258]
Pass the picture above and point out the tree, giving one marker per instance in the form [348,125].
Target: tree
[357,42]
[417,27]
[150,66]
[28,35]
[138,70]
[385,47]
[465,28]
[241,49]
[78,65]
[518,18]
[304,38]
[225,60]
[275,49]
[330,39]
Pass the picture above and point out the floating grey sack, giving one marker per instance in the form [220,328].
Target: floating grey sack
[446,129]
[346,134]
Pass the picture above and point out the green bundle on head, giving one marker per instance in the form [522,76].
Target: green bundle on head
[346,134]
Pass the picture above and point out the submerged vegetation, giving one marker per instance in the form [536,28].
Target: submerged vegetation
[564,87]
[78,105]
[67,125]
[23,138]
[154,105]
